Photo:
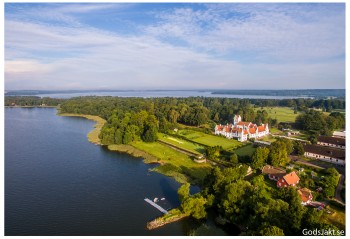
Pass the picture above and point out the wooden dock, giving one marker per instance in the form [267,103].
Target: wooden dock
[156,206]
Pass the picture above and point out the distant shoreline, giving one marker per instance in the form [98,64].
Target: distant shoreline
[30,106]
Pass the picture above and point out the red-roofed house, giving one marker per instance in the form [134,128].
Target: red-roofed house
[305,195]
[290,179]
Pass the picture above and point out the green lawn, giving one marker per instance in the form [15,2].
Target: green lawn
[282,114]
[196,148]
[276,131]
[267,138]
[210,140]
[245,151]
[337,218]
[173,163]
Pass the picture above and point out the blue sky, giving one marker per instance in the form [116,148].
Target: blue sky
[58,46]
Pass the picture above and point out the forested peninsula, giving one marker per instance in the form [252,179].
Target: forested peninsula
[177,133]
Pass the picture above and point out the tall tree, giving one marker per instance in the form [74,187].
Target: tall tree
[259,157]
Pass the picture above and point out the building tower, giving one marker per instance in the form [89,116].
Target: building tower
[236,119]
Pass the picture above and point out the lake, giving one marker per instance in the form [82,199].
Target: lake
[57,183]
[162,93]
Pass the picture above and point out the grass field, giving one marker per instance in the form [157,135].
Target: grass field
[245,151]
[282,114]
[173,163]
[196,148]
[210,140]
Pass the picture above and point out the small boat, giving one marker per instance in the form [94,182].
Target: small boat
[155,200]
[162,199]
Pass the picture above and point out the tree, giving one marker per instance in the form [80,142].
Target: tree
[298,148]
[184,192]
[259,157]
[234,158]
[118,137]
[128,137]
[195,206]
[278,155]
[107,135]
[295,210]
[232,200]
[271,231]
[213,152]
[330,182]
[150,134]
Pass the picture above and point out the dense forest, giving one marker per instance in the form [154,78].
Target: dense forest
[31,101]
[257,208]
[130,119]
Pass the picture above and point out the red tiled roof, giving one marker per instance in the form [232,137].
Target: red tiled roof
[291,178]
[261,128]
[252,130]
[244,123]
[305,194]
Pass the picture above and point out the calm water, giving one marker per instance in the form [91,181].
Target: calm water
[175,93]
[57,183]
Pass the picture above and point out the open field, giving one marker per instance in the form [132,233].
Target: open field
[276,131]
[282,114]
[210,140]
[181,143]
[173,163]
[247,150]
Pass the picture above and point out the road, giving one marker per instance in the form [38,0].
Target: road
[339,188]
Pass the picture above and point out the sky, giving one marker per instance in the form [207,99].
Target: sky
[136,46]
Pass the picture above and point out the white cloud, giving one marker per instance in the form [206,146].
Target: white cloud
[40,55]
[287,32]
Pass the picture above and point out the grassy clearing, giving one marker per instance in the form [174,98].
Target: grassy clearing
[93,134]
[245,151]
[276,131]
[337,218]
[173,163]
[196,148]
[267,138]
[124,148]
[282,114]
[210,140]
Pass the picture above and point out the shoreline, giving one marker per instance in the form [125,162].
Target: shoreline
[175,214]
[93,134]
[30,106]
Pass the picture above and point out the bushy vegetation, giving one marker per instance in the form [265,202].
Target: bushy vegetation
[315,122]
[31,101]
[252,204]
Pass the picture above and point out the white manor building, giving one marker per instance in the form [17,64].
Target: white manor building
[242,130]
